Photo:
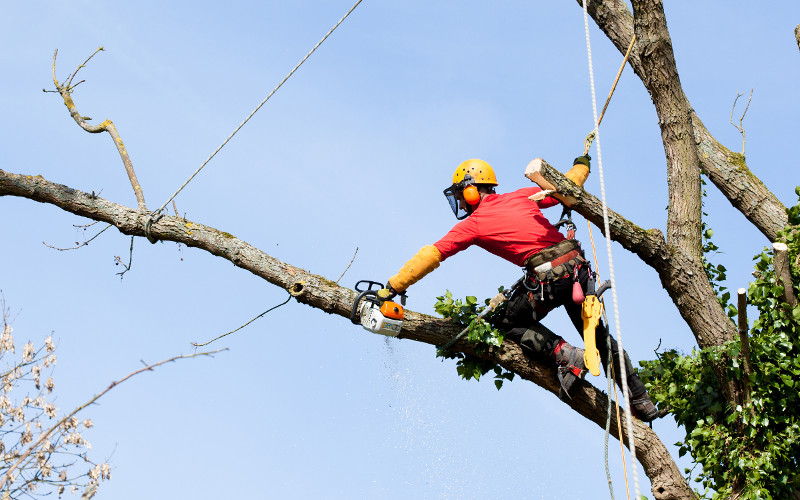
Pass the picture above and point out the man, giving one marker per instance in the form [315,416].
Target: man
[512,226]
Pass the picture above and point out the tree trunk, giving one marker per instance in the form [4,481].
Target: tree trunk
[726,170]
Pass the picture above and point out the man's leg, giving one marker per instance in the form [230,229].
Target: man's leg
[538,341]
[521,324]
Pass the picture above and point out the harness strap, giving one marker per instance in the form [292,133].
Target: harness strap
[556,262]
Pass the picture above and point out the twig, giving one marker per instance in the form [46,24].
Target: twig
[69,83]
[107,126]
[180,251]
[118,261]
[49,431]
[348,265]
[81,245]
[195,344]
[739,127]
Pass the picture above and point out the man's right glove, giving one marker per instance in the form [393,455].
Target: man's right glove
[425,261]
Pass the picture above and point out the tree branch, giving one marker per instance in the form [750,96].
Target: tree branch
[682,275]
[9,474]
[321,293]
[726,170]
[65,91]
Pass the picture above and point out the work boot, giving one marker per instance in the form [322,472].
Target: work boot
[644,409]
[641,406]
[570,366]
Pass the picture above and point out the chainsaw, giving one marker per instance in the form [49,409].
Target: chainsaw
[377,314]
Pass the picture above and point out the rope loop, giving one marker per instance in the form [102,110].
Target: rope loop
[154,217]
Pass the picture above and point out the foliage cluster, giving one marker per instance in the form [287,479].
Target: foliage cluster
[753,450]
[479,331]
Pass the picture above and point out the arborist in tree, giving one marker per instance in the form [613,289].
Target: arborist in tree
[512,226]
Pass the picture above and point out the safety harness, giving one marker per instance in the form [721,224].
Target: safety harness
[565,260]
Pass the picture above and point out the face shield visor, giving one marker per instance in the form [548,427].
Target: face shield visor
[454,198]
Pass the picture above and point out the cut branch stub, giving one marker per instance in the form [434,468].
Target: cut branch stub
[65,91]
[782,272]
[743,328]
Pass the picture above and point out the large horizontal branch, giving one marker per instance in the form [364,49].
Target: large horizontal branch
[726,170]
[681,273]
[321,293]
[648,244]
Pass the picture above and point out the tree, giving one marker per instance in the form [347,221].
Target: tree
[41,454]
[676,257]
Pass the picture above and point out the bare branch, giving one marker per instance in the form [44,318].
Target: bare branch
[80,245]
[118,261]
[69,83]
[48,432]
[740,127]
[348,265]
[107,126]
[244,325]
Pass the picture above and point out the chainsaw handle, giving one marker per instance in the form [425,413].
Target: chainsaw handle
[605,286]
[372,285]
[360,296]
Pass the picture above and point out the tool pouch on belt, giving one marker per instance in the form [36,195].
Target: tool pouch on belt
[556,261]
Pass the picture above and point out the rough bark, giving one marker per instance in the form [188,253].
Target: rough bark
[681,274]
[660,77]
[729,173]
[726,170]
[318,292]
[783,273]
[684,276]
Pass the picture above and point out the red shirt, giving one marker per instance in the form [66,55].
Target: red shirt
[507,225]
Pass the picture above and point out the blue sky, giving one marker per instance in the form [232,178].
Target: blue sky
[353,152]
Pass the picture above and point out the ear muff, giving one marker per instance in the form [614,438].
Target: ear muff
[471,195]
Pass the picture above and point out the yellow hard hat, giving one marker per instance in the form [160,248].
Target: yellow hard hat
[480,171]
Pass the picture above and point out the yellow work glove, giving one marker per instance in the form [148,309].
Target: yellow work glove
[425,261]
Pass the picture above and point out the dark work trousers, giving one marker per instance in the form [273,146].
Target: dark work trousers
[526,308]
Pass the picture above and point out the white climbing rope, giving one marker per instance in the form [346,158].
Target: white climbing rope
[607,232]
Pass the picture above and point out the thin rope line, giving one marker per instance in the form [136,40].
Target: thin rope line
[610,379]
[606,225]
[259,106]
[611,385]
